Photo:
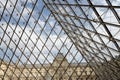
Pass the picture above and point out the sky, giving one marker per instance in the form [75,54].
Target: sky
[107,16]
[37,42]
[35,37]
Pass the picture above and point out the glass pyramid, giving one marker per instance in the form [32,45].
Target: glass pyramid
[59,40]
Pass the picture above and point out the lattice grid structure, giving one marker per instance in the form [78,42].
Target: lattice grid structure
[59,40]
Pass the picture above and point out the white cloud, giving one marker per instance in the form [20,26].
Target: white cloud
[42,50]
[115,2]
[30,44]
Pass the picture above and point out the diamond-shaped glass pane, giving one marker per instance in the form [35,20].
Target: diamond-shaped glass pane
[59,40]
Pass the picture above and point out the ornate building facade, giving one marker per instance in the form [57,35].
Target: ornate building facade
[59,69]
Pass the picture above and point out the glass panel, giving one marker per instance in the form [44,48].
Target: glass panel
[59,39]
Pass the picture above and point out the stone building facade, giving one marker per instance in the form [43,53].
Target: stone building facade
[60,69]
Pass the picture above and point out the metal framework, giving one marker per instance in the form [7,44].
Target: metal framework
[34,32]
